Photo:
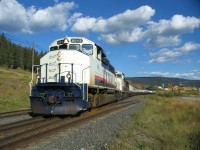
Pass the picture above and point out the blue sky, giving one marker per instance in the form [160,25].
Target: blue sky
[141,38]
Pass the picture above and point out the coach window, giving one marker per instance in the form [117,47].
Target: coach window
[74,46]
[87,48]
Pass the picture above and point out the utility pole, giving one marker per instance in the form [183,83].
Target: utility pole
[33,51]
[31,83]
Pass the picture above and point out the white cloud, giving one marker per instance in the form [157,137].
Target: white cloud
[122,37]
[176,26]
[127,20]
[160,59]
[168,32]
[126,27]
[83,25]
[189,46]
[195,74]
[156,41]
[164,50]
[132,56]
[137,26]
[166,55]
[10,19]
[118,29]
[181,24]
[14,17]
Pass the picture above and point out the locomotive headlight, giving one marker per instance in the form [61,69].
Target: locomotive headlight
[68,75]
[59,58]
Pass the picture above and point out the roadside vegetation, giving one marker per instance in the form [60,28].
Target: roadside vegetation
[14,89]
[166,122]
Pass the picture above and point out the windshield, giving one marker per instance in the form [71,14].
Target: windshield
[87,48]
[74,46]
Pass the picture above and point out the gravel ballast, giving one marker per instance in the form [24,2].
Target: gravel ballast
[14,119]
[89,136]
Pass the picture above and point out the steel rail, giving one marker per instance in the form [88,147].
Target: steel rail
[14,113]
[4,129]
[23,138]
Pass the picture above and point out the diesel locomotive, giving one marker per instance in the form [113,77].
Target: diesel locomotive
[75,75]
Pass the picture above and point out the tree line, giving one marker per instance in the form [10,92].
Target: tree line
[16,56]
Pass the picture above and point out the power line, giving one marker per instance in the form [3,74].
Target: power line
[28,43]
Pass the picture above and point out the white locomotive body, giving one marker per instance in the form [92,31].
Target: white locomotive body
[75,75]
[84,58]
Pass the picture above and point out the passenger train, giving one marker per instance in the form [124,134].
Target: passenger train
[75,75]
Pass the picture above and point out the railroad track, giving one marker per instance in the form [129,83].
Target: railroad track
[18,127]
[14,113]
[21,134]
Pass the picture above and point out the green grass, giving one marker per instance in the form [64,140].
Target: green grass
[14,89]
[165,123]
[194,93]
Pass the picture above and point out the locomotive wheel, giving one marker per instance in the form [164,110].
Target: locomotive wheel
[117,96]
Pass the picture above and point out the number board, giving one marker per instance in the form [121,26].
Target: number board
[76,40]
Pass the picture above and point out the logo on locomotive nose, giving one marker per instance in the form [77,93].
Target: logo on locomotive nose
[59,53]
[60,56]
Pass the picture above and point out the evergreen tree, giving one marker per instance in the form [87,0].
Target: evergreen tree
[16,56]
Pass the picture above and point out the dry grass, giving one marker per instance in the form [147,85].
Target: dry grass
[165,123]
[14,89]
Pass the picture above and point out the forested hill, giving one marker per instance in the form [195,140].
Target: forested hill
[158,81]
[16,56]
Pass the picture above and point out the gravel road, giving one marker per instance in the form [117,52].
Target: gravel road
[93,135]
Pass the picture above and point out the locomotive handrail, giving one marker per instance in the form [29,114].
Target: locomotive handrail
[83,93]
[31,82]
[46,64]
[83,70]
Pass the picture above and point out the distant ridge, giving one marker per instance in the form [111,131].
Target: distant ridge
[158,81]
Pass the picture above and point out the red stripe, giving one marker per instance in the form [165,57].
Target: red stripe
[104,80]
[100,78]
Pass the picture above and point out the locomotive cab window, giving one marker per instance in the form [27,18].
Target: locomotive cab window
[87,48]
[74,46]
[99,50]
[53,48]
[64,46]
[119,75]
